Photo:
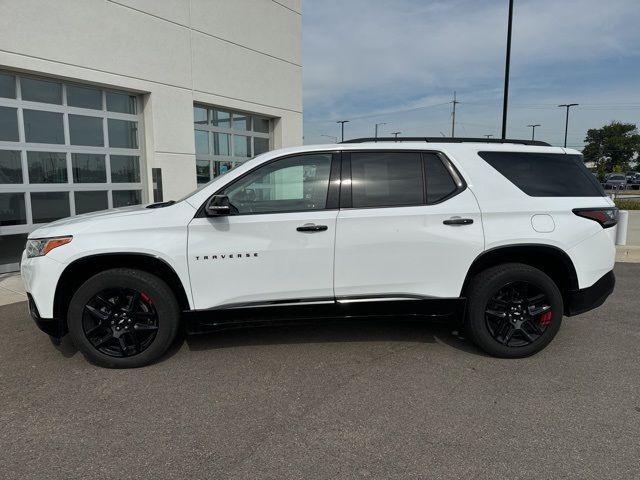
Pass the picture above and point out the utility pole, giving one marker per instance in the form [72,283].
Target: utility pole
[342,122]
[533,130]
[378,124]
[395,134]
[506,72]
[566,123]
[453,115]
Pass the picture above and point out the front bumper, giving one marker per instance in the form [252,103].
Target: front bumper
[51,326]
[585,299]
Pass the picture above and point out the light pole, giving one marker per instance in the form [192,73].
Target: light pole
[342,122]
[566,122]
[533,130]
[335,139]
[506,72]
[378,125]
[395,134]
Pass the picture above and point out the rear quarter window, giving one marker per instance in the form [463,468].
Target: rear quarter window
[545,174]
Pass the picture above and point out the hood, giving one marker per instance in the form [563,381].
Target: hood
[71,225]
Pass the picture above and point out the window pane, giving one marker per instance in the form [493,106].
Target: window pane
[221,119]
[90,202]
[200,115]
[41,90]
[260,125]
[220,168]
[10,167]
[241,121]
[260,145]
[202,171]
[7,86]
[202,142]
[49,206]
[8,124]
[386,179]
[545,174]
[125,169]
[241,146]
[12,209]
[88,168]
[84,97]
[123,198]
[121,102]
[123,134]
[291,184]
[43,127]
[439,181]
[86,131]
[221,144]
[47,167]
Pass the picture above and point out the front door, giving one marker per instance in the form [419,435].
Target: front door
[410,229]
[278,243]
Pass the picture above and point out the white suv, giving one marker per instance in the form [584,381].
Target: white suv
[506,235]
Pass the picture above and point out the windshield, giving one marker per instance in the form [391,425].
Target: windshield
[617,177]
[200,187]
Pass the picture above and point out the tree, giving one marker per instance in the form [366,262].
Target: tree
[614,146]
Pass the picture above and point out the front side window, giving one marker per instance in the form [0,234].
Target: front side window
[292,184]
[386,179]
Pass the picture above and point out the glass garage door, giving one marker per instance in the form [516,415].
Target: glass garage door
[65,149]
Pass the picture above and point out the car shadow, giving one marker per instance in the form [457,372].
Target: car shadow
[372,330]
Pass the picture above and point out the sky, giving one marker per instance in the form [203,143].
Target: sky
[399,61]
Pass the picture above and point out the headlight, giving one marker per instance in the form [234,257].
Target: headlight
[38,247]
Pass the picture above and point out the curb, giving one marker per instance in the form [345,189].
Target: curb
[628,253]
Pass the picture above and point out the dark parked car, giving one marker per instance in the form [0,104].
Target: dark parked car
[616,181]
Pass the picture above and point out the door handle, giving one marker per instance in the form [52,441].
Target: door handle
[310,227]
[458,221]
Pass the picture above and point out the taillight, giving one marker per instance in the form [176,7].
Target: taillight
[607,217]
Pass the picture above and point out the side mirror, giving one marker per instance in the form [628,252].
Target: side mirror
[217,206]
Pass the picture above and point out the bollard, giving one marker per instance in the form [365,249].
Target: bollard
[621,228]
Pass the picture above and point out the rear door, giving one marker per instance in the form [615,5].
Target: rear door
[408,226]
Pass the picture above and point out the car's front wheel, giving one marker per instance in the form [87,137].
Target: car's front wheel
[123,318]
[513,310]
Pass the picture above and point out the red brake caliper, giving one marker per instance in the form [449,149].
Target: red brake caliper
[145,298]
[545,318]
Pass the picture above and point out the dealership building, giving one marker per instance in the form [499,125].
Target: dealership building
[107,103]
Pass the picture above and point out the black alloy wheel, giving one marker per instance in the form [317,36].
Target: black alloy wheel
[513,310]
[120,322]
[518,314]
[123,318]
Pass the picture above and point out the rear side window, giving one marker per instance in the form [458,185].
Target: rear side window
[545,174]
[386,179]
[439,182]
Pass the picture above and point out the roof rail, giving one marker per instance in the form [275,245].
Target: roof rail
[448,140]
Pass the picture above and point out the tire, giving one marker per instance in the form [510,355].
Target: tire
[137,309]
[506,317]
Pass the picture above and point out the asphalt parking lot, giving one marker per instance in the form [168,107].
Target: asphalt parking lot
[383,399]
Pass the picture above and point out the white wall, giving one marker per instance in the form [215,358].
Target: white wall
[240,54]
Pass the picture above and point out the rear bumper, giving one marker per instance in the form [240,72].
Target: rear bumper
[586,299]
[51,326]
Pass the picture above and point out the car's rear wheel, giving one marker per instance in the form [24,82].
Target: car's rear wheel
[514,310]
[123,318]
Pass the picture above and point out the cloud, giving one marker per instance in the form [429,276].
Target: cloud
[366,56]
